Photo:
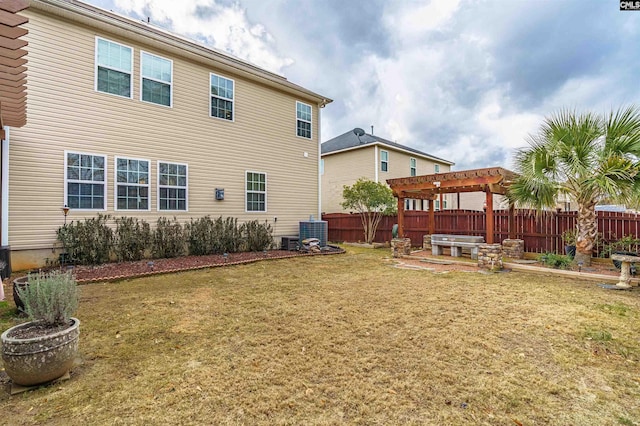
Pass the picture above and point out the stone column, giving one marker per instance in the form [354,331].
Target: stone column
[490,257]
[400,247]
[426,242]
[513,249]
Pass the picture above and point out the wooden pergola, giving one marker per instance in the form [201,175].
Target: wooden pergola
[13,77]
[494,180]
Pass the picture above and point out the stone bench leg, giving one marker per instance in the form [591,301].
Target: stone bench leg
[625,275]
[456,251]
[474,253]
[436,250]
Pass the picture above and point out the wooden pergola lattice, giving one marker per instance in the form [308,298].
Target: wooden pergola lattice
[13,78]
[494,180]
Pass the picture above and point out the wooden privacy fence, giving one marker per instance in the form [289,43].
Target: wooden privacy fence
[541,232]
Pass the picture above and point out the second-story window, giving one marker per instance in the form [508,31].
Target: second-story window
[303,120]
[384,161]
[412,166]
[114,63]
[436,168]
[222,97]
[156,73]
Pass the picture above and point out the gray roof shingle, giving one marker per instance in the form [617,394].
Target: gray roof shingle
[349,140]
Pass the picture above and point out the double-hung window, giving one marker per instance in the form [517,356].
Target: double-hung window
[436,168]
[222,97]
[256,192]
[132,184]
[114,64]
[156,75]
[303,120]
[384,161]
[412,166]
[85,180]
[172,186]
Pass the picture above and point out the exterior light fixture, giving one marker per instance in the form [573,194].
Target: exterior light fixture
[65,211]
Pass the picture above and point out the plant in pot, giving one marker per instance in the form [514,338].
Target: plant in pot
[43,349]
[569,237]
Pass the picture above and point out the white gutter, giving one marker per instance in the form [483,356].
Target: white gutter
[375,162]
[5,189]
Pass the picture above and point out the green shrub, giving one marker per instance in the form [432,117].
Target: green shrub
[50,297]
[227,236]
[87,242]
[168,239]
[257,236]
[628,244]
[201,236]
[557,261]
[132,238]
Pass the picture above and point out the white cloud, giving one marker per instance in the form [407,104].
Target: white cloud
[223,27]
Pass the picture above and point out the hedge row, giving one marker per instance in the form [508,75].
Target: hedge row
[92,241]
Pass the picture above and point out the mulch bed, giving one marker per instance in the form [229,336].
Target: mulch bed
[124,270]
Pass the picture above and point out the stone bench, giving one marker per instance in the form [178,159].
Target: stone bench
[456,243]
[625,268]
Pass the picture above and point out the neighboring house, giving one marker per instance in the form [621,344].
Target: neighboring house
[348,157]
[130,120]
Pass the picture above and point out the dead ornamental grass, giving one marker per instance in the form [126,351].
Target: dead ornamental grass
[347,340]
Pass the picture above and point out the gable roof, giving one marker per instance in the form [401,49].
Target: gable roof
[349,141]
[165,40]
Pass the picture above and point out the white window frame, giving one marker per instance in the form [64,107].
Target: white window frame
[232,100]
[413,167]
[436,206]
[116,184]
[305,121]
[436,168]
[66,181]
[384,161]
[246,191]
[170,83]
[95,68]
[158,186]
[444,204]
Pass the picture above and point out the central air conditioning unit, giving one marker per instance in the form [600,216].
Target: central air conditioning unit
[315,229]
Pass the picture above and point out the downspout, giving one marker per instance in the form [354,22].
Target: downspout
[319,160]
[375,164]
[4,241]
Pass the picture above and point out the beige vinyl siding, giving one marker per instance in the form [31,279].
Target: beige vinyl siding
[66,113]
[476,200]
[400,165]
[341,169]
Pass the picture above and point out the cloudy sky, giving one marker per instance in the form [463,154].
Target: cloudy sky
[465,80]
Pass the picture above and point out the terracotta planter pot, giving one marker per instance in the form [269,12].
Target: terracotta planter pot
[41,359]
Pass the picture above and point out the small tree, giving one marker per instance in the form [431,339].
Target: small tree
[372,200]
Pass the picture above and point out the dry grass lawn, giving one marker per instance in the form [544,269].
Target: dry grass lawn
[346,340]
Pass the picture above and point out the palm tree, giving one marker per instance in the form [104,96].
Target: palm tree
[591,158]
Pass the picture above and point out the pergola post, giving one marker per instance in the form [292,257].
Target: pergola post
[432,218]
[512,221]
[400,217]
[489,217]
